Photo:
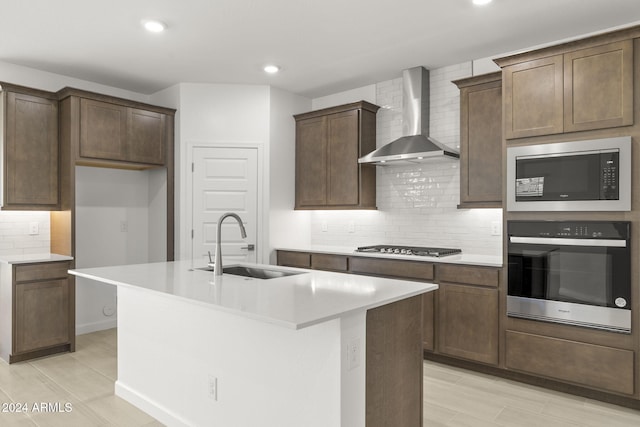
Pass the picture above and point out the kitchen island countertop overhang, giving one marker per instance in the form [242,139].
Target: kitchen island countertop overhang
[295,301]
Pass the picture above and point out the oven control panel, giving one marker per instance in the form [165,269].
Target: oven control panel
[570,229]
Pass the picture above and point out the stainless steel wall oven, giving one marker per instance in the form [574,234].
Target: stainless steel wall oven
[577,273]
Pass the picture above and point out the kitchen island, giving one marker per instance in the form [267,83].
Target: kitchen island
[315,348]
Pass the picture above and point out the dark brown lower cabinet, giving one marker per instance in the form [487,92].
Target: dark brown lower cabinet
[584,364]
[329,262]
[38,310]
[41,315]
[294,259]
[467,312]
[468,322]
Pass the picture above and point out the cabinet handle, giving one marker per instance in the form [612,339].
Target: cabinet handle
[249,247]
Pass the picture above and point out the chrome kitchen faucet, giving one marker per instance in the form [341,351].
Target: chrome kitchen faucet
[218,264]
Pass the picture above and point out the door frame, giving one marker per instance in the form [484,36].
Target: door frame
[261,231]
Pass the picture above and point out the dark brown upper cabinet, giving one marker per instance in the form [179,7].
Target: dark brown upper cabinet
[114,132]
[481,141]
[583,85]
[598,87]
[533,98]
[328,145]
[30,149]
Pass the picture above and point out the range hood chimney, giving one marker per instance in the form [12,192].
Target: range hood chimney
[415,146]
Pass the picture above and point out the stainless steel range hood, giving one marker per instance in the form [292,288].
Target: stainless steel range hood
[415,146]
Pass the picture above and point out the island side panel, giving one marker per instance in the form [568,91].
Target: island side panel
[267,375]
[394,364]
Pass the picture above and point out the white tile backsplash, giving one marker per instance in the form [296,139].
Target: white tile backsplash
[14,232]
[416,204]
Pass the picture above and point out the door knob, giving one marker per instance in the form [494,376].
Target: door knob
[249,247]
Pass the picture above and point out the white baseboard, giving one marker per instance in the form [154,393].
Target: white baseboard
[87,328]
[160,413]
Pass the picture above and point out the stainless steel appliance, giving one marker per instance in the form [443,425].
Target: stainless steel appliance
[591,175]
[415,146]
[577,273]
[409,250]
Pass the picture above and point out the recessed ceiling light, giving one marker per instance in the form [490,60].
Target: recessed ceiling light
[481,2]
[271,69]
[154,26]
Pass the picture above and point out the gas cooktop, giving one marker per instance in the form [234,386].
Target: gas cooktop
[409,250]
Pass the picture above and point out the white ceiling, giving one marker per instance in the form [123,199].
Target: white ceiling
[323,46]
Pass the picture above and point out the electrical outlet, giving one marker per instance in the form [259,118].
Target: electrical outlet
[351,227]
[496,228]
[34,228]
[212,387]
[324,226]
[354,350]
[124,226]
[108,310]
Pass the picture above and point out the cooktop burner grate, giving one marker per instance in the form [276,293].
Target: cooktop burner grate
[409,250]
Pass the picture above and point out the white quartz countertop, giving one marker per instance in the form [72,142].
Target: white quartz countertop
[295,302]
[31,258]
[463,258]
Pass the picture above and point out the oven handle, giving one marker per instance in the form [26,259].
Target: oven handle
[568,242]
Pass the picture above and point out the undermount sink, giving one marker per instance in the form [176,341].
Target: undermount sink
[254,272]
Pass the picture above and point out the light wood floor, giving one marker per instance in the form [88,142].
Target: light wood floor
[452,397]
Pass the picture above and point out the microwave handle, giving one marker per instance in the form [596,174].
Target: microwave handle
[569,242]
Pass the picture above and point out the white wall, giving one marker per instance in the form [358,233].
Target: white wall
[364,93]
[51,82]
[116,224]
[286,226]
[209,114]
[14,233]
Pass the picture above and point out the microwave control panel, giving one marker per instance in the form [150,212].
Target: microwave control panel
[609,176]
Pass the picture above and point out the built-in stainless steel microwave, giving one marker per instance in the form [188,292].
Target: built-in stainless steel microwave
[590,175]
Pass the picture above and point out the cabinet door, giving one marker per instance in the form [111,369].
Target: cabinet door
[598,89]
[145,136]
[311,162]
[103,130]
[468,322]
[31,152]
[343,177]
[533,98]
[481,145]
[41,315]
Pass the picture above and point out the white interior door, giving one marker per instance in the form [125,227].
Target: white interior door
[225,180]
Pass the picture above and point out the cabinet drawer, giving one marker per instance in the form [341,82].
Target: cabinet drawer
[595,366]
[469,275]
[44,271]
[329,262]
[294,259]
[392,268]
